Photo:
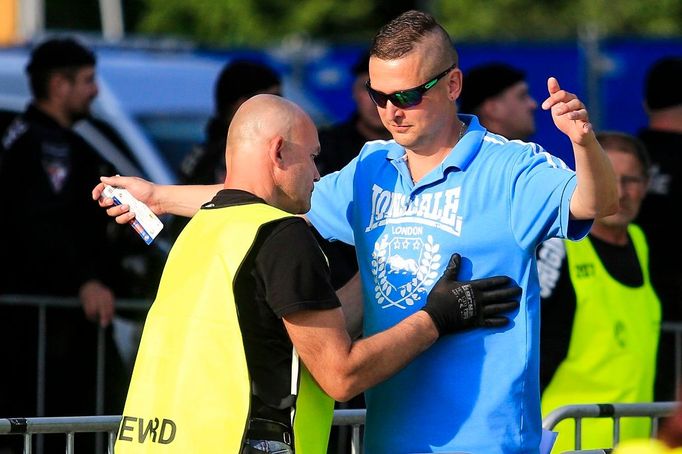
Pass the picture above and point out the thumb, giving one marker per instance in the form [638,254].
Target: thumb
[553,85]
[452,269]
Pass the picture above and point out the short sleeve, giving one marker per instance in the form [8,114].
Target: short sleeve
[332,205]
[542,186]
[293,270]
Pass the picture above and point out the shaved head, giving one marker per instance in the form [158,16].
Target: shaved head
[261,118]
[271,143]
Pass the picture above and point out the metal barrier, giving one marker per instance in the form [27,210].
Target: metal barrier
[43,303]
[27,427]
[354,418]
[676,330]
[68,425]
[654,411]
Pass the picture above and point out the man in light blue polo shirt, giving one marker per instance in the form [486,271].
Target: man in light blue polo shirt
[445,184]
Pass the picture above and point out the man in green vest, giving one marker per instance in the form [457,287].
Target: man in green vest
[246,343]
[600,317]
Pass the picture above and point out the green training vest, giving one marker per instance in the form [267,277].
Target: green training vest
[190,390]
[612,352]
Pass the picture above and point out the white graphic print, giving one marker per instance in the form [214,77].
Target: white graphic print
[404,269]
[435,209]
[550,258]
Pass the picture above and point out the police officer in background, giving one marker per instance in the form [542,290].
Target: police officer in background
[54,242]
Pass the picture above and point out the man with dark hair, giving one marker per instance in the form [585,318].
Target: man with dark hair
[205,163]
[340,143]
[444,184]
[52,241]
[498,95]
[237,82]
[600,315]
[663,139]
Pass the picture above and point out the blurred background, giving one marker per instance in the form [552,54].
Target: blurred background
[158,59]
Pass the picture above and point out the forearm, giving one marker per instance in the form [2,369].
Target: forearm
[596,194]
[184,200]
[376,358]
[350,296]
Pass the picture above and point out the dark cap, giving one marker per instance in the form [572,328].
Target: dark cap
[664,83]
[59,53]
[242,79]
[486,81]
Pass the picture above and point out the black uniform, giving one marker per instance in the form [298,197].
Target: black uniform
[655,218]
[52,238]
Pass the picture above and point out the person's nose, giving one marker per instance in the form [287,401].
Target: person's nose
[393,111]
[316,175]
[532,103]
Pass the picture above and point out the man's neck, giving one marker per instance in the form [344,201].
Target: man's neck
[55,112]
[424,159]
[609,234]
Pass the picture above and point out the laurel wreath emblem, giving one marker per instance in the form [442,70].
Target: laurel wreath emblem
[385,293]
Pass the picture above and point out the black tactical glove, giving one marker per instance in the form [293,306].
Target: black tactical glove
[456,306]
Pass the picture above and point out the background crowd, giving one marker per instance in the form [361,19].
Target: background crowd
[61,244]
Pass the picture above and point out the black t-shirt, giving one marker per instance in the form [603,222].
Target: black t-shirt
[665,248]
[558,297]
[284,272]
[655,218]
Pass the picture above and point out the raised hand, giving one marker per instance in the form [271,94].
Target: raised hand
[569,113]
[455,306]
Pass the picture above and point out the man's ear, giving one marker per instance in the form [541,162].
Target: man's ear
[455,83]
[276,151]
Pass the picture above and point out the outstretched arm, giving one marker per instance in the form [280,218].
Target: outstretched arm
[596,194]
[181,200]
[344,368]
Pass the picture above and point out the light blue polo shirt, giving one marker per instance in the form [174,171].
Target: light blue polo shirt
[493,201]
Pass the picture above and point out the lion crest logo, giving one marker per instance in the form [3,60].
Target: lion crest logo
[404,268]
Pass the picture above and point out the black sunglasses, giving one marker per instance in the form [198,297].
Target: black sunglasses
[405,98]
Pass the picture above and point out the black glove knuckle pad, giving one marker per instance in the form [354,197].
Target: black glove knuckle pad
[455,306]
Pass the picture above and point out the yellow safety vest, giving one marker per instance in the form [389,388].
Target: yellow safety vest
[612,352]
[190,391]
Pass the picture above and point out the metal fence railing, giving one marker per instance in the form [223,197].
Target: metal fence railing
[654,410]
[42,304]
[355,417]
[70,426]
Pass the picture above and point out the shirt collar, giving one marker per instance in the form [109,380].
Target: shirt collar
[464,151]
